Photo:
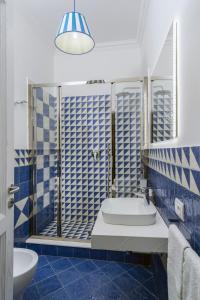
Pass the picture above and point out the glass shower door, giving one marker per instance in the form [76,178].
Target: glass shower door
[85,139]
[128,137]
[45,147]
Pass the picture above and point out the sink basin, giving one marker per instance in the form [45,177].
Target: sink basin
[128,211]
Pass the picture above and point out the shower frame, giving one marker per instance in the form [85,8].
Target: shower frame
[32,135]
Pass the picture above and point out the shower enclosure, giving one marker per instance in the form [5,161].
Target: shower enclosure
[87,146]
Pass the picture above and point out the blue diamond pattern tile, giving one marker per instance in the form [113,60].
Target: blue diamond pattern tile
[78,289]
[68,276]
[109,291]
[126,283]
[150,286]
[112,269]
[58,295]
[42,261]
[43,273]
[81,281]
[142,274]
[61,264]
[31,293]
[48,286]
[86,267]
[143,294]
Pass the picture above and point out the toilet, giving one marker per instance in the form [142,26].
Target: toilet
[24,265]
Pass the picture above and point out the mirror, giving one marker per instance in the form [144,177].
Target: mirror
[163,84]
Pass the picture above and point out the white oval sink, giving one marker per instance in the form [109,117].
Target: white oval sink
[128,211]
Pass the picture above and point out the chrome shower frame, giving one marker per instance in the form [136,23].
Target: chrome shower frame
[111,176]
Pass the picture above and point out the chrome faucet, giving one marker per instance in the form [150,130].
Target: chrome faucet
[96,154]
[146,190]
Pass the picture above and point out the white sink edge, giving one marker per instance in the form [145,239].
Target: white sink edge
[115,212]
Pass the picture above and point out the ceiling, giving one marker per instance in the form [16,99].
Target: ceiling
[109,20]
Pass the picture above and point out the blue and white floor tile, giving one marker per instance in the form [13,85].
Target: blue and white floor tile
[70,229]
[60,278]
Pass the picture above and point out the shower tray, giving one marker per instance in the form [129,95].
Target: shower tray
[71,229]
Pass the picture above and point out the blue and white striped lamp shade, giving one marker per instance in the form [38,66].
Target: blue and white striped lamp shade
[74,36]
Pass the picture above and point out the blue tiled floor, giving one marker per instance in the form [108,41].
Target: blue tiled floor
[59,278]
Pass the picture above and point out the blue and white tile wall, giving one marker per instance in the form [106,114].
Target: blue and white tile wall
[175,172]
[86,126]
[23,207]
[128,143]
[45,157]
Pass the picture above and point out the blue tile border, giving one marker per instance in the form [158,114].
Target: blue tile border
[175,173]
[88,253]
[181,165]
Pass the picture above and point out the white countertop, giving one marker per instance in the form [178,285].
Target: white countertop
[141,239]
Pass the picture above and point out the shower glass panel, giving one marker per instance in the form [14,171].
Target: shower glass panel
[128,137]
[72,140]
[44,115]
[85,140]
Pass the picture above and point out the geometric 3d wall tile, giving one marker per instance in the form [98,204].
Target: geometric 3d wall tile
[182,165]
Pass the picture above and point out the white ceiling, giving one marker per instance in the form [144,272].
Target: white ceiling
[109,20]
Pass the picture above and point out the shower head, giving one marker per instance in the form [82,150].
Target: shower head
[163,93]
[95,81]
[123,94]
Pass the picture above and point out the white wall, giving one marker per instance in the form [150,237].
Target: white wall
[164,66]
[37,60]
[157,26]
[33,59]
[102,63]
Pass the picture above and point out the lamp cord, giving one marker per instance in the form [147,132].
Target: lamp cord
[74,5]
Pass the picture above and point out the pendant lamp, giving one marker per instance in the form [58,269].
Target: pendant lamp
[74,35]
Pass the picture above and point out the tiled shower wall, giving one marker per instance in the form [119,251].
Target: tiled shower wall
[86,127]
[23,207]
[25,212]
[128,134]
[43,161]
[175,173]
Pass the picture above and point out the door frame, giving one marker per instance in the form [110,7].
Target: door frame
[6,149]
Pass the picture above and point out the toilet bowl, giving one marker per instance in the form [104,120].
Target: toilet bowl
[24,265]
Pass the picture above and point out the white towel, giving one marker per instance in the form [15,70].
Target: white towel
[191,275]
[176,247]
